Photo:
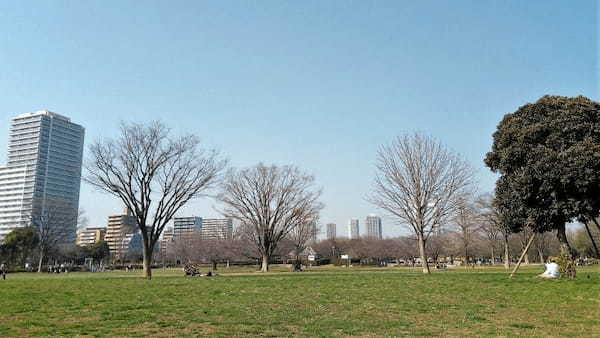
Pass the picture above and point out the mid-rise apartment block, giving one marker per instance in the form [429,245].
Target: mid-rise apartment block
[42,174]
[90,236]
[217,228]
[186,226]
[119,232]
[207,228]
[166,240]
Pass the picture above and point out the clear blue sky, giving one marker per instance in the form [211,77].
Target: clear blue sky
[319,84]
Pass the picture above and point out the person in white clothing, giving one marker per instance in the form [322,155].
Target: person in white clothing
[551,270]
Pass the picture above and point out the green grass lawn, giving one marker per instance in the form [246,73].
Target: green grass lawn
[321,302]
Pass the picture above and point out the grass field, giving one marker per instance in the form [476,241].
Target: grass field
[322,302]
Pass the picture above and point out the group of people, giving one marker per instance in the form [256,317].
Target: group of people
[62,268]
[194,271]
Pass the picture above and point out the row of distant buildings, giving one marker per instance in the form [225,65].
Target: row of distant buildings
[373,226]
[122,230]
[43,170]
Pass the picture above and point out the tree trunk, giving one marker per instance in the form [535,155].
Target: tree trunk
[526,258]
[265,263]
[493,256]
[541,255]
[565,247]
[214,265]
[562,238]
[41,261]
[506,254]
[596,222]
[148,262]
[524,254]
[587,228]
[424,263]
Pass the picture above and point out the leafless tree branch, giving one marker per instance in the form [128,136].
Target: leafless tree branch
[419,182]
[269,202]
[154,174]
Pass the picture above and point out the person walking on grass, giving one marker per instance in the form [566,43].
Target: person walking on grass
[3,271]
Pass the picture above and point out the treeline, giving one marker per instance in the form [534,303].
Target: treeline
[450,246]
[23,250]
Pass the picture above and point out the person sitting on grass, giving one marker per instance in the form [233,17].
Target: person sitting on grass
[551,270]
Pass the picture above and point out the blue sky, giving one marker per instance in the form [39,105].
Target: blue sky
[318,84]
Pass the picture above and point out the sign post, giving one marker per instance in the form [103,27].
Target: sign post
[347,258]
[311,259]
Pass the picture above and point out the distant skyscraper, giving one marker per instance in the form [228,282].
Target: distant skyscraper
[186,225]
[373,224]
[331,231]
[45,153]
[314,232]
[353,229]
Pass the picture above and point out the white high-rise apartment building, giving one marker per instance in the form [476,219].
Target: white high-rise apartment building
[45,153]
[373,224]
[208,228]
[353,229]
[217,228]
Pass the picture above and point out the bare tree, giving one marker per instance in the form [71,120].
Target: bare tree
[217,248]
[467,223]
[300,237]
[418,182]
[542,244]
[184,249]
[154,175]
[54,220]
[270,202]
[524,237]
[490,223]
[437,245]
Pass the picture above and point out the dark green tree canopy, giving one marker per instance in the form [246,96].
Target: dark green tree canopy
[19,244]
[548,155]
[22,237]
[100,250]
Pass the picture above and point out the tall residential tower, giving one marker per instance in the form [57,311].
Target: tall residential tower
[331,231]
[43,173]
[373,224]
[353,229]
